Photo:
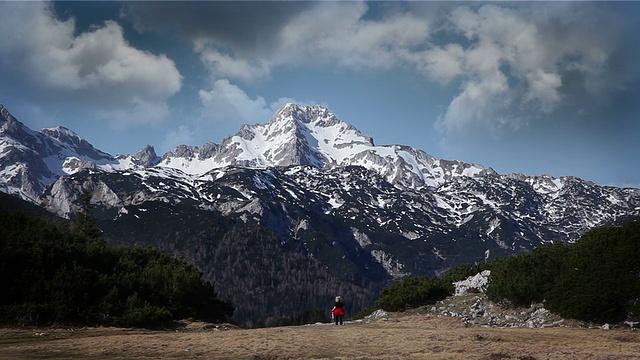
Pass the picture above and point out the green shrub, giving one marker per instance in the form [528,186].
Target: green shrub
[600,279]
[364,313]
[146,316]
[413,292]
[595,279]
[525,279]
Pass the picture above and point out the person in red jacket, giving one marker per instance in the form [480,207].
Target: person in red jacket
[338,310]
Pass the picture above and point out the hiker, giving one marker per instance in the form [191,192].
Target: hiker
[338,310]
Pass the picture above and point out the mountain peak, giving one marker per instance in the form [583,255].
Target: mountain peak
[290,108]
[305,114]
[146,157]
[64,135]
[305,135]
[316,120]
[7,120]
[4,113]
[74,142]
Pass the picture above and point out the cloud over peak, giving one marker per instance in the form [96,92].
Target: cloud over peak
[512,62]
[43,54]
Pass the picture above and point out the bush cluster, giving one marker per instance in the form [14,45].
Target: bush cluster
[423,290]
[595,279]
[413,292]
[51,274]
[525,279]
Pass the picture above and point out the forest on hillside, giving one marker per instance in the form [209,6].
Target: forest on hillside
[56,274]
[269,282]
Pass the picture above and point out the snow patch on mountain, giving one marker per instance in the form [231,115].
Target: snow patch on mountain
[391,265]
[361,237]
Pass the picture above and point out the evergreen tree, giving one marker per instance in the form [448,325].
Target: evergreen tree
[85,221]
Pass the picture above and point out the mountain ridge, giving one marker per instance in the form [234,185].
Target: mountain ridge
[295,135]
[322,150]
[322,190]
[311,135]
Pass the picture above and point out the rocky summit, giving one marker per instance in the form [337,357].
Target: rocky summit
[360,214]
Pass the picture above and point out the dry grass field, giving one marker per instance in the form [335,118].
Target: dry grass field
[399,336]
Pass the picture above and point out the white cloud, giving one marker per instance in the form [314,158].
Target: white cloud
[543,89]
[485,101]
[226,66]
[511,66]
[510,61]
[442,64]
[94,67]
[330,33]
[228,103]
[102,60]
[485,95]
[514,66]
[339,33]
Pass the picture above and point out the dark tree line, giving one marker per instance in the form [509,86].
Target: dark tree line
[275,286]
[56,274]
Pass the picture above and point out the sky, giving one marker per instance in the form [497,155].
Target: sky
[522,87]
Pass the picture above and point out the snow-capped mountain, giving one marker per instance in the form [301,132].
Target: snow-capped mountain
[311,135]
[308,191]
[389,206]
[32,160]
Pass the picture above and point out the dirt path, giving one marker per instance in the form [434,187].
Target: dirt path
[406,336]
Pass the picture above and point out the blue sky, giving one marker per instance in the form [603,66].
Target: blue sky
[528,87]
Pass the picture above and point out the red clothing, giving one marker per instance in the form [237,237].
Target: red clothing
[338,308]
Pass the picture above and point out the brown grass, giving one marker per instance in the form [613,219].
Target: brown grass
[398,336]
